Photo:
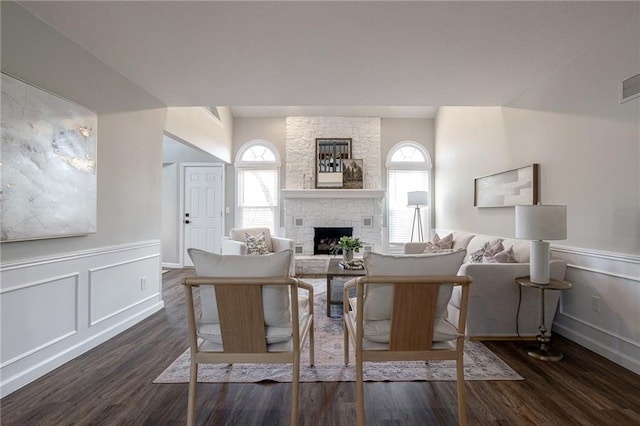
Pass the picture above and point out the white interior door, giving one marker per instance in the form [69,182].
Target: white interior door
[203,190]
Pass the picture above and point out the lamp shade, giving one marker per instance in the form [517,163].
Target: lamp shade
[417,198]
[541,222]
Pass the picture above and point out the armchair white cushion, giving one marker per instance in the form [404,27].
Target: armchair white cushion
[379,298]
[236,244]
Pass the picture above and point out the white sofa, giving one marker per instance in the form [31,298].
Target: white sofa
[494,295]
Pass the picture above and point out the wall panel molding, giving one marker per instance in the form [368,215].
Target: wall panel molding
[611,280]
[121,284]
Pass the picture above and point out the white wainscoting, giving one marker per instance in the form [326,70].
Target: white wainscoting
[614,278]
[56,308]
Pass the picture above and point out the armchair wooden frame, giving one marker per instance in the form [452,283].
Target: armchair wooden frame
[411,330]
[242,327]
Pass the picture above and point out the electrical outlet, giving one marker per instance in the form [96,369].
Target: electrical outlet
[143,283]
[595,303]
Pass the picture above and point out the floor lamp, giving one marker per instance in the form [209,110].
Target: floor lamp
[538,223]
[417,199]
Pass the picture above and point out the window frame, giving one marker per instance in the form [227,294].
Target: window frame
[243,165]
[418,166]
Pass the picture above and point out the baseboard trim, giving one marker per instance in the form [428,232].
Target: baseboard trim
[611,354]
[503,338]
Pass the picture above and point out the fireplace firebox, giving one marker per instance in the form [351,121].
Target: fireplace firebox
[325,238]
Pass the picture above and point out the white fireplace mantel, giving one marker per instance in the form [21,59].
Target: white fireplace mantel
[333,193]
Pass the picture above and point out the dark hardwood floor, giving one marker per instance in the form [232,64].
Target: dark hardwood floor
[112,385]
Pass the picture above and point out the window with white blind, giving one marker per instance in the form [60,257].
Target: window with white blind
[408,169]
[257,190]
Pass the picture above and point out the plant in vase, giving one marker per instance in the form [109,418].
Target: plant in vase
[347,245]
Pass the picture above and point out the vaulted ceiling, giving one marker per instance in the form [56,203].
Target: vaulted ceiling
[356,56]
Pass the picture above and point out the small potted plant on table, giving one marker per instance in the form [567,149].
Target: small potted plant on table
[347,245]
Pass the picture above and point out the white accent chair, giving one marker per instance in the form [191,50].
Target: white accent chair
[400,314]
[251,312]
[235,243]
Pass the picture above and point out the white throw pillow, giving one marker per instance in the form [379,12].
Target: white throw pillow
[275,299]
[379,298]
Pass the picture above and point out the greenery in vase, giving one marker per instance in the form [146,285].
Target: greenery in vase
[347,243]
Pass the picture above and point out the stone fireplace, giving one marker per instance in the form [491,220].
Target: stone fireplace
[306,208]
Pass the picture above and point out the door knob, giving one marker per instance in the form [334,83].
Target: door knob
[187,221]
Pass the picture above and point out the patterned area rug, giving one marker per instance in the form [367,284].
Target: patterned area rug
[479,362]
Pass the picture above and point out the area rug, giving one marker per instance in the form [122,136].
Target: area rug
[479,362]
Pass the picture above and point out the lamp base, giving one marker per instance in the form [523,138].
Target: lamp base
[539,262]
[545,354]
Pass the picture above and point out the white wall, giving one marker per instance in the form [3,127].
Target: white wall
[61,297]
[588,148]
[198,127]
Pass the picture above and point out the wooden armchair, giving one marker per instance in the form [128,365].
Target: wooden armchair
[399,314]
[250,313]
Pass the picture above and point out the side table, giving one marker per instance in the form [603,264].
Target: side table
[334,270]
[545,352]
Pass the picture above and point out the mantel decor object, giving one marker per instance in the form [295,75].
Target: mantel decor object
[330,155]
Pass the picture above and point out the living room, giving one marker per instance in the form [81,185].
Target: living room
[567,117]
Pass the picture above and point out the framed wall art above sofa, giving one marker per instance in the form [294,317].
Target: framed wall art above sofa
[509,188]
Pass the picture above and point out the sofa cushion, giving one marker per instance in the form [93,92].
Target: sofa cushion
[378,298]
[461,240]
[275,299]
[238,234]
[521,249]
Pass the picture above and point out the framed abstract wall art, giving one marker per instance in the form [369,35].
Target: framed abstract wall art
[49,185]
[509,188]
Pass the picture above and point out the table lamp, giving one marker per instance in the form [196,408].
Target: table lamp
[538,223]
[417,199]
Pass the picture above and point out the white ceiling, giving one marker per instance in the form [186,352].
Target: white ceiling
[383,58]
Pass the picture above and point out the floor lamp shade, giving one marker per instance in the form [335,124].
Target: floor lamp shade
[417,198]
[538,223]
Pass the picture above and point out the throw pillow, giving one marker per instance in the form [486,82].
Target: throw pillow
[505,256]
[494,248]
[256,244]
[443,243]
[476,256]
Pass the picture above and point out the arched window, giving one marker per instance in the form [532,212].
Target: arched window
[408,169]
[257,190]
